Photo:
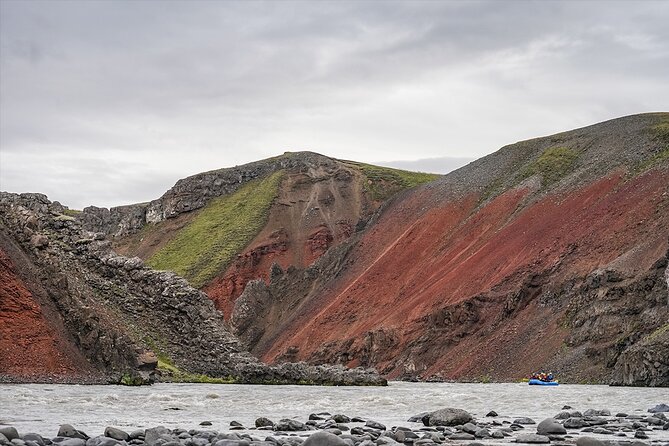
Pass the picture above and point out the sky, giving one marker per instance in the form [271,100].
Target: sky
[111,102]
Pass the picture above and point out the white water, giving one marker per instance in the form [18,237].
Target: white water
[42,408]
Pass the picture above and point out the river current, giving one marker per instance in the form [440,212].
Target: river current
[41,408]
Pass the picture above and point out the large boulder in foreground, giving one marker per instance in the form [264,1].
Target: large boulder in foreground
[447,417]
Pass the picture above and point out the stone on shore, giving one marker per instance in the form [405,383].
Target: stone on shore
[289,425]
[532,439]
[264,422]
[447,417]
[10,433]
[116,434]
[67,430]
[549,426]
[323,438]
[589,441]
[659,408]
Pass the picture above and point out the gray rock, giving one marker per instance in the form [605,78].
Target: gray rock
[482,433]
[339,418]
[37,438]
[116,434]
[67,430]
[418,417]
[375,425]
[470,428]
[9,432]
[659,408]
[73,442]
[264,422]
[589,441]
[3,439]
[462,436]
[497,434]
[640,434]
[524,420]
[288,425]
[597,413]
[139,433]
[562,415]
[153,435]
[532,439]
[550,426]
[492,413]
[447,417]
[324,439]
[574,423]
[602,431]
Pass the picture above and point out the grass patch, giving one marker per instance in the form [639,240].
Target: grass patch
[383,182]
[657,333]
[218,232]
[71,212]
[552,164]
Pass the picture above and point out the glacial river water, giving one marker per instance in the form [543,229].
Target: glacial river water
[42,408]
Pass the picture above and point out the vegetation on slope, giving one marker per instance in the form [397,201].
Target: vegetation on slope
[219,232]
[552,164]
[383,182]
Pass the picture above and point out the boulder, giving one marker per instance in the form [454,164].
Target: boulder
[264,422]
[67,430]
[550,427]
[532,439]
[659,408]
[524,420]
[9,432]
[375,425]
[589,441]
[447,417]
[574,423]
[323,438]
[288,425]
[116,434]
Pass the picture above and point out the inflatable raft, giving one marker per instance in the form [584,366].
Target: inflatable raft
[538,382]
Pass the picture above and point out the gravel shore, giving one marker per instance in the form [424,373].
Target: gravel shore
[591,427]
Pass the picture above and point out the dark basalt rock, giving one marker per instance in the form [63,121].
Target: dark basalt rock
[122,314]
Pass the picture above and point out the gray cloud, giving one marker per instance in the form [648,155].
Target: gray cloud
[151,92]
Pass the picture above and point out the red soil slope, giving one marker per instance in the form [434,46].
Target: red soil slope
[431,290]
[31,347]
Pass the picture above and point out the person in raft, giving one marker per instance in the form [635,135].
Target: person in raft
[543,376]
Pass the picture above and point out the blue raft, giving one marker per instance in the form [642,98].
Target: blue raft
[538,382]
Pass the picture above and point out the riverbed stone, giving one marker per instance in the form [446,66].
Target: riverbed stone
[574,423]
[37,438]
[589,441]
[524,420]
[375,425]
[447,417]
[153,435]
[73,442]
[116,434]
[532,439]
[597,413]
[9,432]
[264,422]
[550,426]
[67,430]
[659,408]
[462,436]
[289,425]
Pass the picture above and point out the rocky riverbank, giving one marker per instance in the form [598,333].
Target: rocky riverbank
[591,427]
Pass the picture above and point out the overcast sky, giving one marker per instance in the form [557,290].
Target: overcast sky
[110,103]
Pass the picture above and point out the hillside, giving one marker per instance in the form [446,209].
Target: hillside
[224,228]
[548,254]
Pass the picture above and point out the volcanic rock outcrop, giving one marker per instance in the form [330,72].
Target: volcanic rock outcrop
[83,313]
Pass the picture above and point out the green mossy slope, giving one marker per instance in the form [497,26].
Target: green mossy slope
[219,232]
[383,182]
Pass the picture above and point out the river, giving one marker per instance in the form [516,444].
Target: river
[41,408]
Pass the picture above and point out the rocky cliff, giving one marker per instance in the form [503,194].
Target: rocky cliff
[550,253]
[97,316]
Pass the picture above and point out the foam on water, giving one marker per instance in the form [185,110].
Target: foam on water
[42,408]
